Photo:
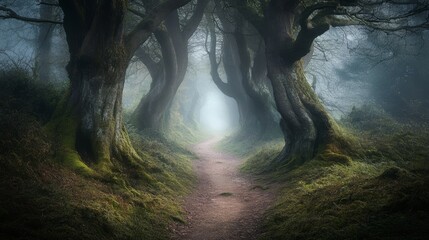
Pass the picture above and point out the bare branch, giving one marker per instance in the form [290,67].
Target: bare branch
[11,14]
[49,4]
[150,23]
[194,21]
[224,87]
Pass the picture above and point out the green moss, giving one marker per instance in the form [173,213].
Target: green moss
[323,200]
[46,194]
[131,203]
[382,138]
[246,145]
[381,194]
[261,160]
[330,156]
[63,128]
[71,159]
[183,134]
[344,203]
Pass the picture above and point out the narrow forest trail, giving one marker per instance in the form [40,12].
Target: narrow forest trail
[225,204]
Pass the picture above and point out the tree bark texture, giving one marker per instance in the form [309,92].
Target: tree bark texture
[307,127]
[244,76]
[44,43]
[253,74]
[91,116]
[154,108]
[149,114]
[89,123]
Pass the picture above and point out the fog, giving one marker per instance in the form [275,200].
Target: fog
[215,114]
[345,67]
[214,119]
[333,51]
[218,114]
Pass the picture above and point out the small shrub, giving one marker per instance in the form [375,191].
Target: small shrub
[19,92]
[24,106]
[370,118]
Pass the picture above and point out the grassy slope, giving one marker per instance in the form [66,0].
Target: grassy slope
[41,199]
[244,144]
[382,194]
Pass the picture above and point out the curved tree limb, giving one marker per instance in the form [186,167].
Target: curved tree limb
[194,21]
[150,23]
[152,66]
[11,14]
[224,87]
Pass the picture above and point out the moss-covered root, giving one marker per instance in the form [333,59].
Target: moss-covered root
[340,152]
[341,147]
[331,155]
[63,129]
[106,151]
[124,152]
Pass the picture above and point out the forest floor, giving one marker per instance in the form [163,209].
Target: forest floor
[225,203]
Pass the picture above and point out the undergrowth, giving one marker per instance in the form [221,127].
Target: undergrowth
[382,194]
[183,134]
[242,143]
[42,199]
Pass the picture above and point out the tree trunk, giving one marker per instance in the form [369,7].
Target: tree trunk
[236,77]
[263,97]
[89,123]
[252,81]
[96,101]
[307,127]
[44,43]
[231,63]
[151,111]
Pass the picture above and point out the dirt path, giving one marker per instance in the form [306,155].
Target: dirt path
[225,204]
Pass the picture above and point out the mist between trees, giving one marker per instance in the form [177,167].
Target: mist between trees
[303,74]
[175,51]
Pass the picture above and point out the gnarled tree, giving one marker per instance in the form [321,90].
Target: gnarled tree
[44,41]
[244,75]
[289,28]
[167,73]
[89,122]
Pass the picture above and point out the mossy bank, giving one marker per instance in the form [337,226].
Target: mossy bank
[42,198]
[382,193]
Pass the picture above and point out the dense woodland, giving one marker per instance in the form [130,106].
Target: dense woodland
[102,103]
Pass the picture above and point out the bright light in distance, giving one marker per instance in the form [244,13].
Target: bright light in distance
[214,115]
